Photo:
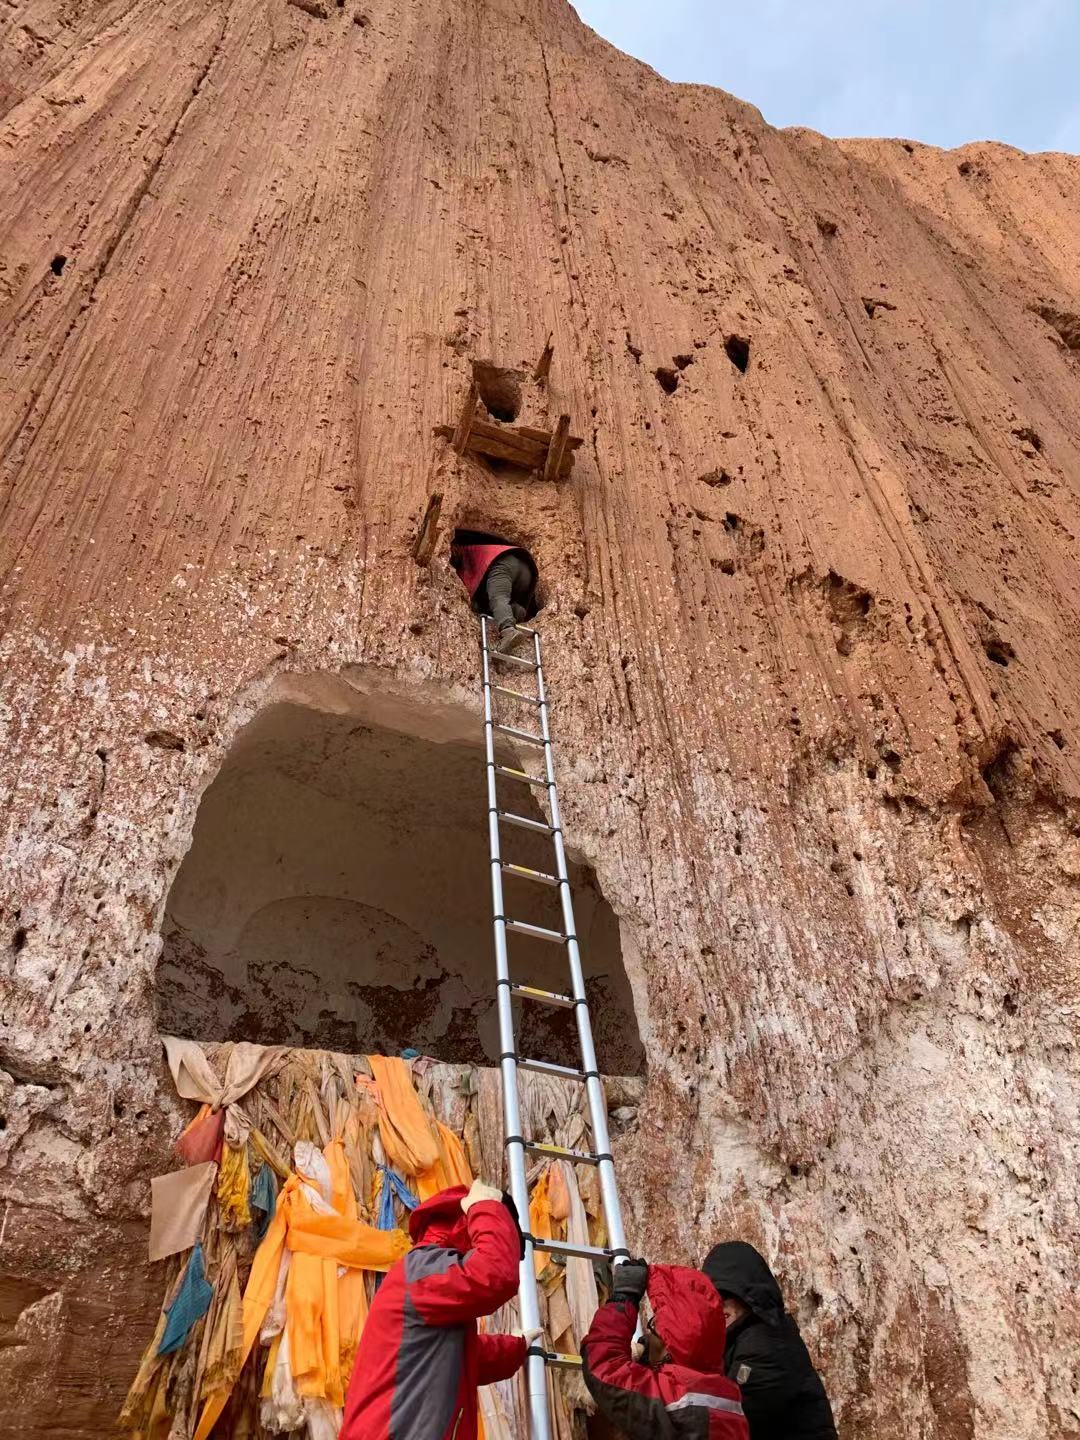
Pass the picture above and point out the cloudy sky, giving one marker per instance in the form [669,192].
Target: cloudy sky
[942,71]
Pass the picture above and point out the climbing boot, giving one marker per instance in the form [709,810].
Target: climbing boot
[508,640]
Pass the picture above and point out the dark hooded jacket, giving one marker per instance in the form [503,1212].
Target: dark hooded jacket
[764,1354]
[685,1398]
[420,1357]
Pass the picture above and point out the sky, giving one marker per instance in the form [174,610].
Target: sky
[942,71]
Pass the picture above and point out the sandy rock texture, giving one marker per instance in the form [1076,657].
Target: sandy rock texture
[811,628]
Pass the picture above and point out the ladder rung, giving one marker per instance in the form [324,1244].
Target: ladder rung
[555,1361]
[548,1067]
[571,1252]
[538,932]
[522,629]
[524,873]
[542,997]
[525,822]
[523,775]
[516,694]
[560,1152]
[513,659]
[521,735]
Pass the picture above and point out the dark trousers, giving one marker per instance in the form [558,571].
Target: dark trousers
[509,584]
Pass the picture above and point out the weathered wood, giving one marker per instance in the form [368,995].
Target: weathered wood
[428,535]
[522,445]
[543,365]
[557,448]
[460,437]
[573,442]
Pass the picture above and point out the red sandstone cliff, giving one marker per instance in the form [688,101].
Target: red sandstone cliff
[812,625]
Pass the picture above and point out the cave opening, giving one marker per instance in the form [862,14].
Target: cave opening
[336,893]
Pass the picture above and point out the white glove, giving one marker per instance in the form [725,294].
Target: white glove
[529,1336]
[479,1191]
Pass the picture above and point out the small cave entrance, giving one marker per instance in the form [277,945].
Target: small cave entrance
[532,601]
[336,893]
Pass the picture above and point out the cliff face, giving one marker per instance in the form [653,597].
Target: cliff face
[811,626]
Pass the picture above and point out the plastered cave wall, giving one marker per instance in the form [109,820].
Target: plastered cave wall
[811,624]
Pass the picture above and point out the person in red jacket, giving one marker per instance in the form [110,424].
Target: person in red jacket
[500,579]
[679,1392]
[420,1357]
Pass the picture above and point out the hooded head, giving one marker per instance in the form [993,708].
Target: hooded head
[737,1269]
[688,1316]
[441,1221]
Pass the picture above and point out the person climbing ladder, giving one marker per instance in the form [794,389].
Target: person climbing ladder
[500,578]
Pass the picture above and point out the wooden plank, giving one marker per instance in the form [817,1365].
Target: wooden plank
[428,535]
[543,365]
[498,449]
[573,442]
[466,420]
[557,448]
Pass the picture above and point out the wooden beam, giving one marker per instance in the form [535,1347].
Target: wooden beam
[461,434]
[557,448]
[543,365]
[428,535]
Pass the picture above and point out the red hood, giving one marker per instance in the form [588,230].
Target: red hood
[440,1221]
[689,1316]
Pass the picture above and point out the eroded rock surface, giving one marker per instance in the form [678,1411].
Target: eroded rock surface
[811,626]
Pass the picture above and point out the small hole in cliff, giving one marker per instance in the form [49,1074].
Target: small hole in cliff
[57,264]
[892,760]
[715,477]
[1010,1004]
[825,226]
[997,772]
[682,361]
[1000,652]
[1058,738]
[1027,436]
[163,740]
[499,389]
[737,349]
[529,601]
[18,940]
[667,378]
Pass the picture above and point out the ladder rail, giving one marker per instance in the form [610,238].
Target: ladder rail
[601,1138]
[528,1296]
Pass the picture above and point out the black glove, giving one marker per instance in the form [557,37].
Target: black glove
[629,1281]
[508,1201]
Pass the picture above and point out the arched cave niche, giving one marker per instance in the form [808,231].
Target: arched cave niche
[336,892]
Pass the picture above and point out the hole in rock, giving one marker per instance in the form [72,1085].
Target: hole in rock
[532,603]
[737,350]
[1000,652]
[57,264]
[499,389]
[336,892]
[667,378]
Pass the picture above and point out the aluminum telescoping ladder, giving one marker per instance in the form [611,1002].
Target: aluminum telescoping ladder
[518,1146]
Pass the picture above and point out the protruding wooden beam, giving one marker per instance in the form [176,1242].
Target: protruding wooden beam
[465,422]
[428,534]
[543,365]
[557,448]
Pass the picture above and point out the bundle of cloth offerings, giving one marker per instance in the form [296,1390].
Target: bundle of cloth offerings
[301,1170]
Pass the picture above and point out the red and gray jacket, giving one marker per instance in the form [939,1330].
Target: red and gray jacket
[688,1397]
[473,561]
[420,1357]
